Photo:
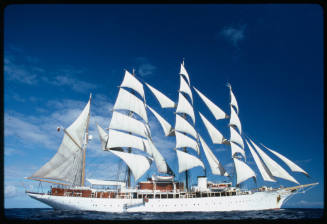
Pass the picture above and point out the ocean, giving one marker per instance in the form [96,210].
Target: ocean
[50,214]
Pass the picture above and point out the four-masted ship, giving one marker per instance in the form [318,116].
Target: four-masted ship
[129,138]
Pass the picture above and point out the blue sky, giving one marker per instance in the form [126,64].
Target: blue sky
[55,55]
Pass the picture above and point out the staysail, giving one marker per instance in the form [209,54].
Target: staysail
[215,110]
[289,163]
[275,169]
[163,100]
[216,167]
[265,172]
[167,128]
[243,171]
[215,135]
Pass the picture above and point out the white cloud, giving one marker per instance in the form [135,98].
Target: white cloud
[145,68]
[10,191]
[12,151]
[233,34]
[26,69]
[75,84]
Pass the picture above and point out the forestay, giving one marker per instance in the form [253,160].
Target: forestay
[214,109]
[289,163]
[167,128]
[185,141]
[187,161]
[127,101]
[123,122]
[243,171]
[163,100]
[216,167]
[184,106]
[183,125]
[265,173]
[131,82]
[275,169]
[215,135]
[138,164]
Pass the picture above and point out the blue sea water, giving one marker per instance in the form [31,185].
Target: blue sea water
[50,214]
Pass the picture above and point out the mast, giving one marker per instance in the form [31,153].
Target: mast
[129,148]
[183,128]
[84,148]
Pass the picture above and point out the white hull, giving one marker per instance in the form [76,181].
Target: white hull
[255,201]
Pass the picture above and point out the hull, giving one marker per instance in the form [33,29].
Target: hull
[254,201]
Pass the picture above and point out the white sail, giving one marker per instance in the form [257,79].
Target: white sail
[121,139]
[243,171]
[138,164]
[77,129]
[103,137]
[185,88]
[183,106]
[234,120]
[163,100]
[66,164]
[183,125]
[127,101]
[289,163]
[265,173]
[131,82]
[233,101]
[185,74]
[123,122]
[216,167]
[185,141]
[159,160]
[167,128]
[215,135]
[215,110]
[106,182]
[236,137]
[236,149]
[275,169]
[187,161]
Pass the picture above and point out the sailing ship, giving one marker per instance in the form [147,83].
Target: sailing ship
[129,138]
